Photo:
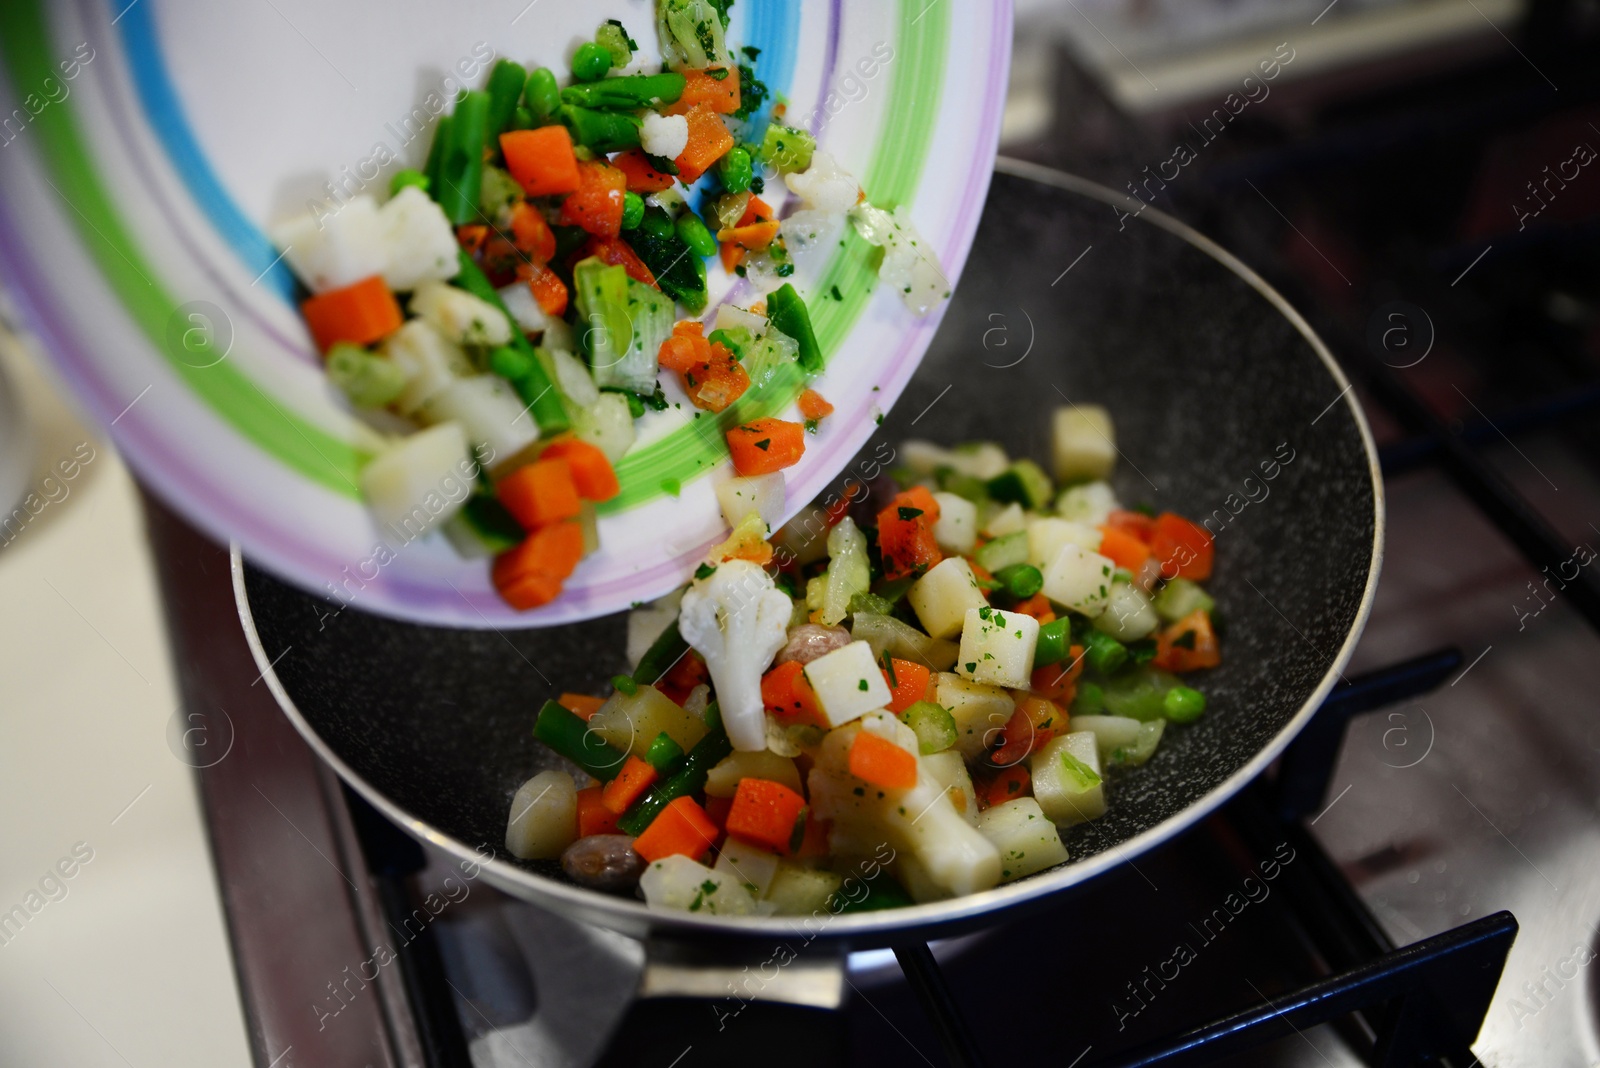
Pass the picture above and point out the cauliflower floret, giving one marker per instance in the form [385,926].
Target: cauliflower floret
[460,316]
[824,186]
[946,856]
[330,251]
[420,242]
[737,619]
[664,135]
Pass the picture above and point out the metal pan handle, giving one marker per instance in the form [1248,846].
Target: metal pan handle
[706,1011]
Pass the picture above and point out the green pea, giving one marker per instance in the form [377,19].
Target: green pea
[590,62]
[693,232]
[736,169]
[1183,705]
[542,95]
[408,177]
[632,211]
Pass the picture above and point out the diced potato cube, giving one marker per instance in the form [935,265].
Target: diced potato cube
[980,711]
[1066,779]
[997,647]
[957,528]
[430,360]
[741,495]
[943,596]
[632,722]
[1085,444]
[723,779]
[1090,502]
[1129,615]
[982,459]
[950,771]
[752,866]
[544,817]
[1047,536]
[848,683]
[1079,579]
[420,481]
[460,316]
[1007,520]
[800,891]
[677,882]
[1027,841]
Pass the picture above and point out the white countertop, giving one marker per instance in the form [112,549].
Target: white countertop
[128,964]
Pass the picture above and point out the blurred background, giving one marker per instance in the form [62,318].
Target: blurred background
[1417,176]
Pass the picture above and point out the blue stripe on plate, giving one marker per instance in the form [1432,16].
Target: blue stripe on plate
[166,116]
[773,27]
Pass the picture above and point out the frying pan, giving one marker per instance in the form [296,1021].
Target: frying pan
[1227,408]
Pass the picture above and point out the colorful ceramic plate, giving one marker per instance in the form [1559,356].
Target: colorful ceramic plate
[150,143]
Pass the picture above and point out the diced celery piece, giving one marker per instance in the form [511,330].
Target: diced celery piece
[605,329]
[1139,694]
[935,727]
[1023,482]
[1003,552]
[1180,597]
[1141,748]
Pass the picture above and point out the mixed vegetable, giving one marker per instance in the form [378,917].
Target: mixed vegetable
[945,671]
[514,301]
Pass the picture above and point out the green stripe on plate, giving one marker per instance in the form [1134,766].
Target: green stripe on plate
[891,178]
[302,446]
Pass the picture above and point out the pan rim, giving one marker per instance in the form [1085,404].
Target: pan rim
[631,916]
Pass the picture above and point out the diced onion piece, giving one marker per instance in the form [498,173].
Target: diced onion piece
[887,634]
[753,867]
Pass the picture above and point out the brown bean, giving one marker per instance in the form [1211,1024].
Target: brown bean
[603,862]
[811,640]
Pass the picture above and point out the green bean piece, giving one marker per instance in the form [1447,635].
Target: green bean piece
[663,753]
[505,89]
[627,93]
[602,131]
[408,177]
[693,232]
[508,363]
[1104,653]
[632,211]
[788,315]
[436,153]
[735,169]
[590,62]
[461,165]
[491,523]
[369,381]
[690,777]
[522,118]
[570,736]
[1181,704]
[1055,643]
[668,648]
[1090,700]
[542,95]
[534,387]
[1021,580]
